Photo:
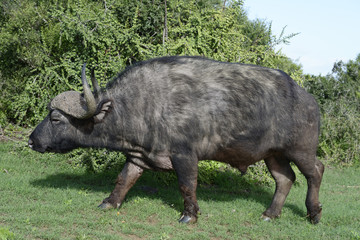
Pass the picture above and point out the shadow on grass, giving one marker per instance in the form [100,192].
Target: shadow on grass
[151,186]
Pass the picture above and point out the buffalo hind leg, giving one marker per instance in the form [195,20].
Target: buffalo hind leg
[186,169]
[313,171]
[125,180]
[284,177]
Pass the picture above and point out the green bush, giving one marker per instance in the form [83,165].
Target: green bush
[43,44]
[97,160]
[338,95]
[340,133]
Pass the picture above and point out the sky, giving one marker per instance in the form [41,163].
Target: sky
[329,31]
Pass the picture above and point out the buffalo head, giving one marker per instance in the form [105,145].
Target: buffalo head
[72,117]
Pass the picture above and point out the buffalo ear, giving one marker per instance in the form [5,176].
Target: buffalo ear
[103,109]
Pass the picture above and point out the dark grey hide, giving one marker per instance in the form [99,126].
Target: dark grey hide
[168,113]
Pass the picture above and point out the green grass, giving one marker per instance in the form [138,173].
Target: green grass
[42,196]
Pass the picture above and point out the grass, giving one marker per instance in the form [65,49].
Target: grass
[42,196]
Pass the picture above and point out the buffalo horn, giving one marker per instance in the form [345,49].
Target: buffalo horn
[89,96]
[94,82]
[74,104]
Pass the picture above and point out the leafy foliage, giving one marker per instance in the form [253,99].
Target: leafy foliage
[97,160]
[44,43]
[339,97]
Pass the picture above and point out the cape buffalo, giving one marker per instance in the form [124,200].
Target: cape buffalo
[168,113]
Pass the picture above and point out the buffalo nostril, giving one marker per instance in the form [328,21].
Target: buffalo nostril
[31,143]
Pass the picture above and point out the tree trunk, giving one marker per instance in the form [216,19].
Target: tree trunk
[165,33]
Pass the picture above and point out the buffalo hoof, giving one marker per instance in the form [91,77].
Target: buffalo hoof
[187,219]
[105,205]
[316,218]
[265,218]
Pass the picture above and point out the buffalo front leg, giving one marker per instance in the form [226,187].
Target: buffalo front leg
[186,169]
[284,177]
[125,180]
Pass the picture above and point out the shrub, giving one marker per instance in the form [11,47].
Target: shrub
[338,95]
[43,44]
[97,160]
[340,133]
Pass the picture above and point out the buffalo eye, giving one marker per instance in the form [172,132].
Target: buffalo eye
[55,121]
[55,117]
